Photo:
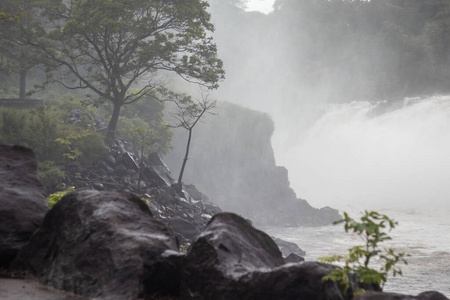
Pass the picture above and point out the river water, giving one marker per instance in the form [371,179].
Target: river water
[396,160]
[423,235]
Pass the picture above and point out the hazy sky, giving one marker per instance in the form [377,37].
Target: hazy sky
[264,6]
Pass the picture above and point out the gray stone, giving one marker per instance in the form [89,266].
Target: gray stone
[233,260]
[228,248]
[103,244]
[287,248]
[129,161]
[183,227]
[431,295]
[22,200]
[294,258]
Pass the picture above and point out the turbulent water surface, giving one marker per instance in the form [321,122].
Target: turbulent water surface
[424,235]
[391,158]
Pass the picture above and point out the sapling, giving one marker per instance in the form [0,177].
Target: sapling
[357,263]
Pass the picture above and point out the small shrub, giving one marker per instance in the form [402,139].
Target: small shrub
[371,230]
[52,199]
[50,174]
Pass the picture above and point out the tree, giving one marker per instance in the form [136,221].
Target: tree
[188,114]
[112,47]
[15,55]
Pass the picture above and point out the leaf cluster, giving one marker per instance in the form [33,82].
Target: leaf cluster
[56,143]
[357,263]
[54,198]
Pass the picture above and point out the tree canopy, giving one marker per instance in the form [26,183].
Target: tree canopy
[114,49]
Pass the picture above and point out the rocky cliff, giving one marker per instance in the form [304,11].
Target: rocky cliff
[232,161]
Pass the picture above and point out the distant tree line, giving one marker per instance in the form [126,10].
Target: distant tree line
[379,49]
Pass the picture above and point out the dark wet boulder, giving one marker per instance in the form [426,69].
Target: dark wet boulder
[287,248]
[22,200]
[393,296]
[232,260]
[295,281]
[103,244]
[228,248]
[186,229]
[431,295]
[294,258]
[129,161]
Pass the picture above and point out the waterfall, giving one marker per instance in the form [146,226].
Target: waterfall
[371,155]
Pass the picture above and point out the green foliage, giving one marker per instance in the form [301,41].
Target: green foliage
[84,146]
[50,174]
[147,201]
[52,199]
[11,126]
[371,229]
[143,124]
[57,145]
[109,47]
[183,249]
[6,17]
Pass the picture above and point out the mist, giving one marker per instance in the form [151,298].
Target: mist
[318,69]
[395,159]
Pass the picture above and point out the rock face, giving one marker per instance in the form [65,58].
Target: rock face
[104,244]
[288,248]
[293,281]
[22,201]
[233,260]
[241,172]
[186,214]
[392,296]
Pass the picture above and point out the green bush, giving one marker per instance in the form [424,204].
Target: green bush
[357,265]
[60,146]
[11,126]
[54,198]
[146,114]
[50,174]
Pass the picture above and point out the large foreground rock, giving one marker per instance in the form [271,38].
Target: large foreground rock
[22,200]
[232,260]
[393,296]
[103,244]
[228,248]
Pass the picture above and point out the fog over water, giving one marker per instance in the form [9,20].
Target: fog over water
[353,156]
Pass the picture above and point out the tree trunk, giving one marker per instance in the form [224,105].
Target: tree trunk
[111,131]
[186,157]
[141,168]
[22,86]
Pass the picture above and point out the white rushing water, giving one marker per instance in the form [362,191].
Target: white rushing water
[398,163]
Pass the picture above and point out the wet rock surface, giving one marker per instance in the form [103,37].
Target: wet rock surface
[233,260]
[22,200]
[431,295]
[187,214]
[243,174]
[288,248]
[104,244]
